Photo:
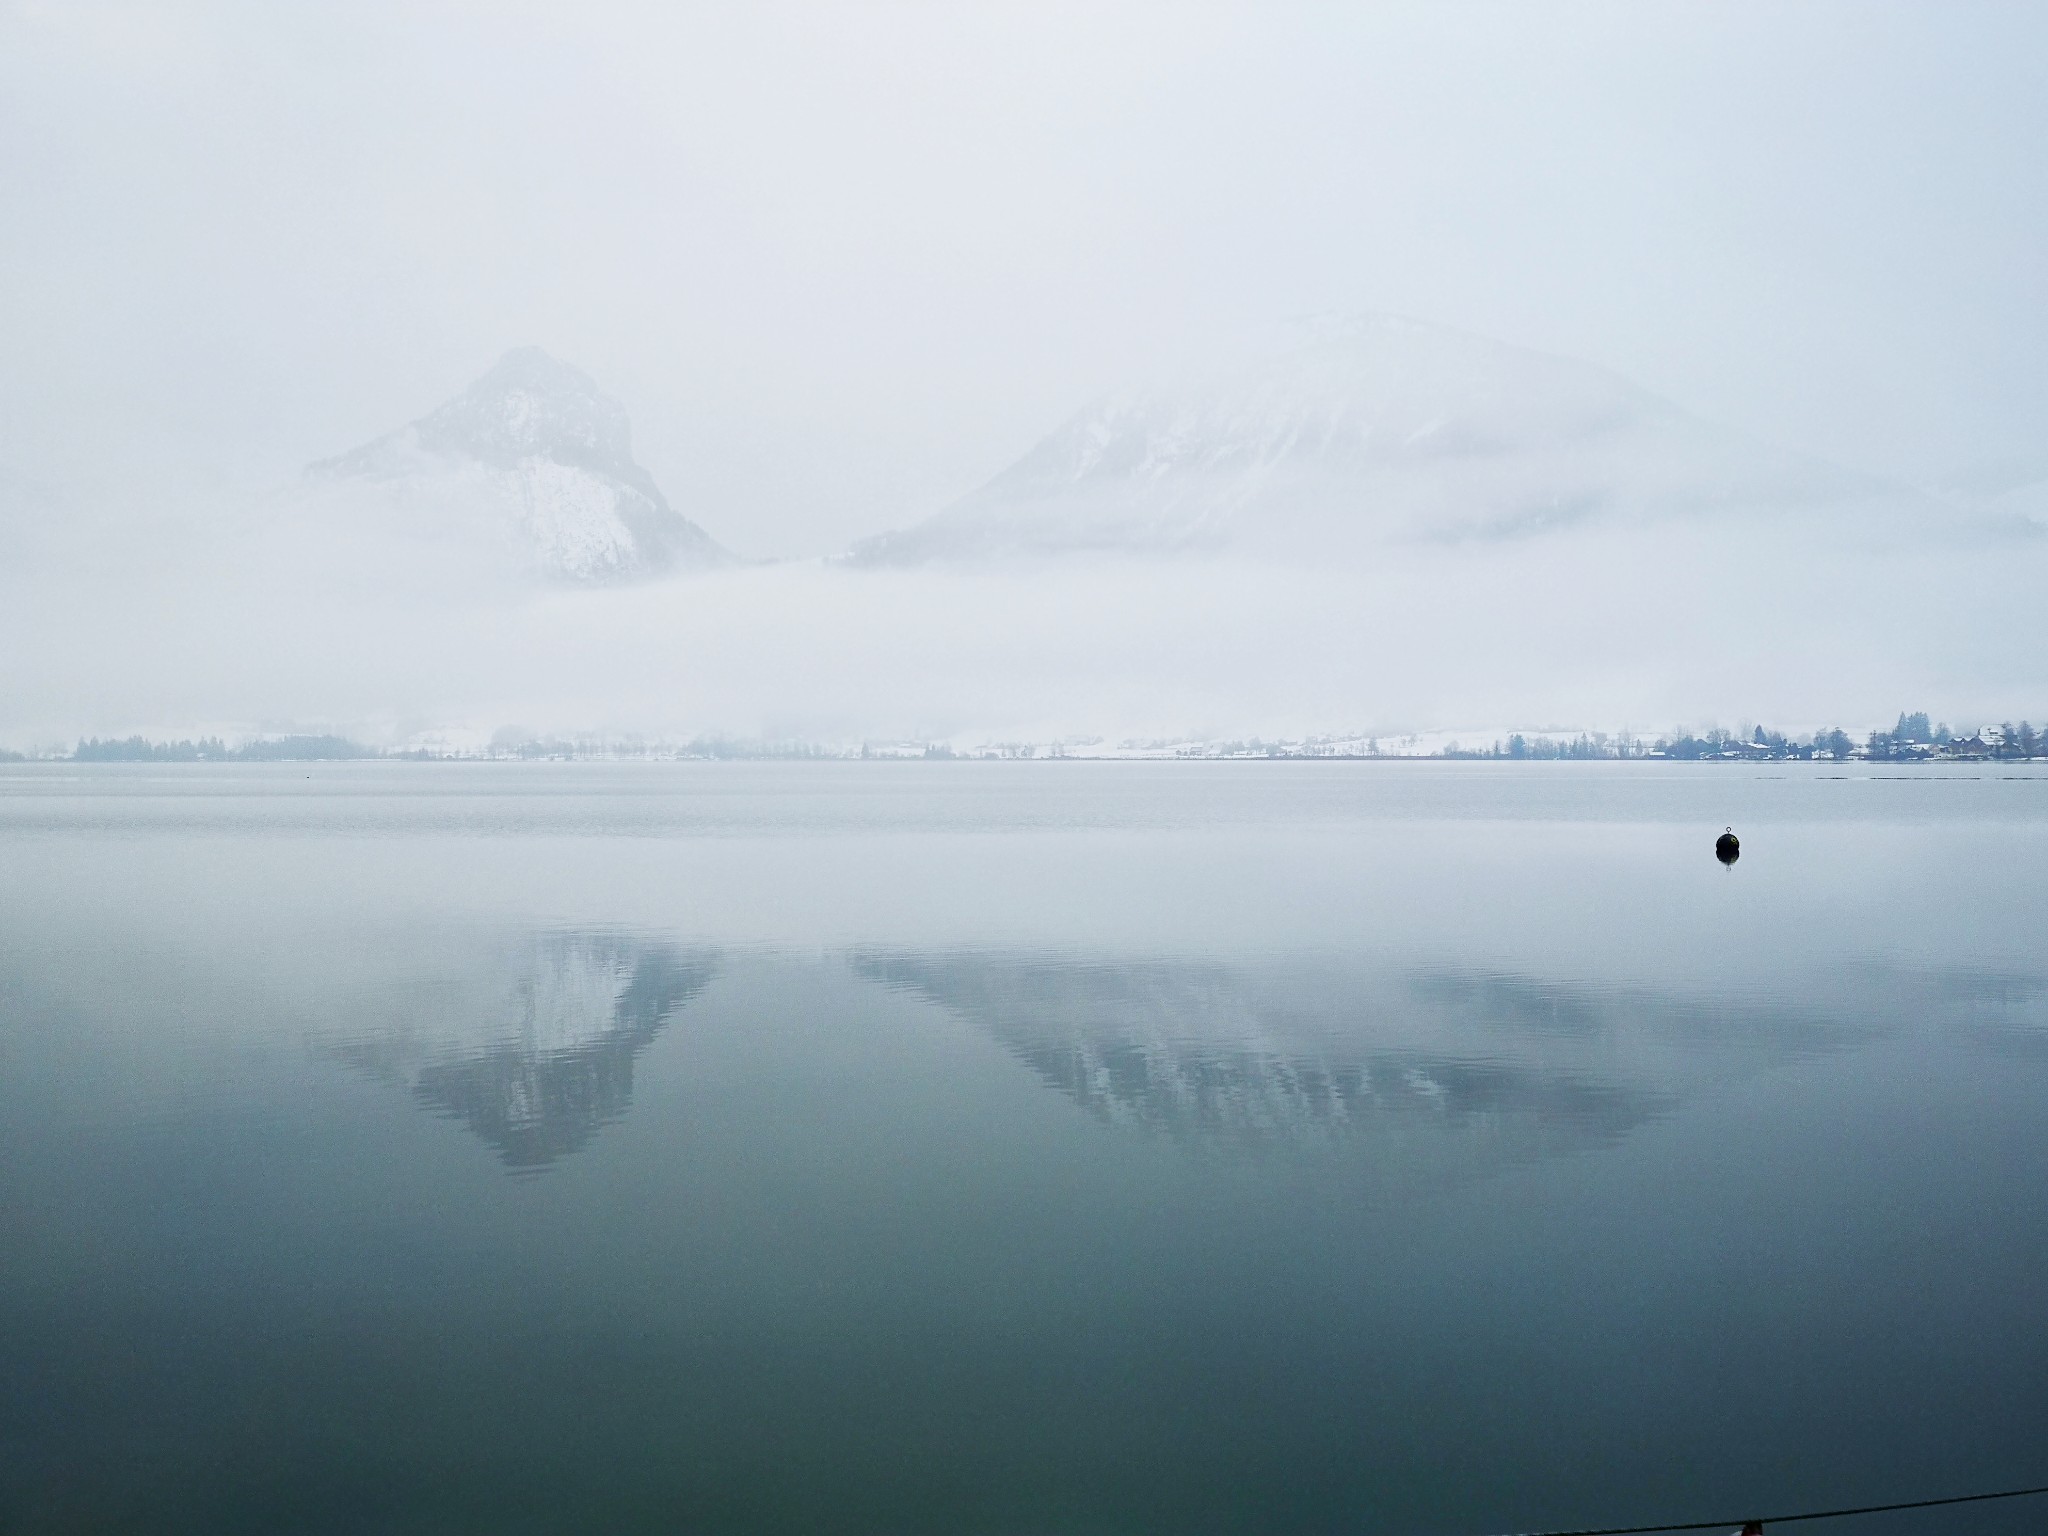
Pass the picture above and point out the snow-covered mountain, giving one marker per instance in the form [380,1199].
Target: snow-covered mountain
[535,458]
[1329,436]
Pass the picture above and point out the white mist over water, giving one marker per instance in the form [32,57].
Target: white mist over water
[1590,629]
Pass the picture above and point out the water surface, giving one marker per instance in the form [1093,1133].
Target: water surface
[1433,1148]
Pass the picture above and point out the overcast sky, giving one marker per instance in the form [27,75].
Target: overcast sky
[844,262]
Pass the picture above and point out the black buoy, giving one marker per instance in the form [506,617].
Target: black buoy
[1728,847]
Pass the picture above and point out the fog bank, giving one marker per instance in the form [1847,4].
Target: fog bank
[1599,629]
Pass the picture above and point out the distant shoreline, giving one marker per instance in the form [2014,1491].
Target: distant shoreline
[1916,738]
[26,760]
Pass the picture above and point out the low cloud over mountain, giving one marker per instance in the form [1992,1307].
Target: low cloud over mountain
[1335,436]
[1364,527]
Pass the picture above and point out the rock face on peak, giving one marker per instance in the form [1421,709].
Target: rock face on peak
[537,455]
[1333,435]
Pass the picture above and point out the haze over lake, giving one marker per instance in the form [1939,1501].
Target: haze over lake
[865,1146]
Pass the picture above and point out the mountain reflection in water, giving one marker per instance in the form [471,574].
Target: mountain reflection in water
[533,1046]
[549,1049]
[1289,1053]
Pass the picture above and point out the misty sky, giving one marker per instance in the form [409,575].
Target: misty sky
[842,263]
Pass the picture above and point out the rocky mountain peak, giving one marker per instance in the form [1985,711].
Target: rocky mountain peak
[535,450]
[532,405]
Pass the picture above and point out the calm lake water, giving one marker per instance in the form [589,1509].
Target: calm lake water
[1037,1148]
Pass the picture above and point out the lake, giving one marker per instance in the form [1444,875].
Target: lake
[1434,1148]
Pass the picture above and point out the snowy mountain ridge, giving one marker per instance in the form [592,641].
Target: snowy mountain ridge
[534,455]
[1334,434]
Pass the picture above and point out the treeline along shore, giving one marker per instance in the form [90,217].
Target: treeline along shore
[1915,738]
[211,749]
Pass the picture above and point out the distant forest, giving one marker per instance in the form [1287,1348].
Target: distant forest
[1915,738]
[210,749]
